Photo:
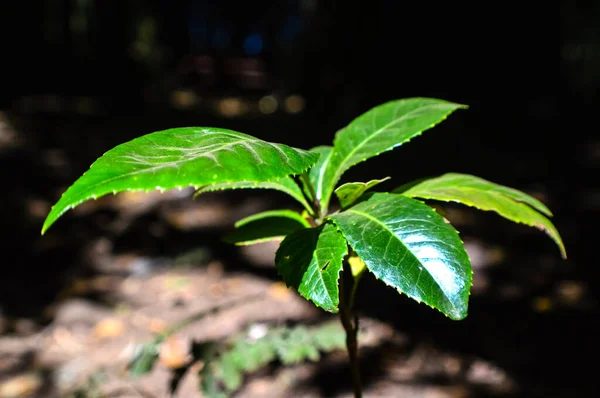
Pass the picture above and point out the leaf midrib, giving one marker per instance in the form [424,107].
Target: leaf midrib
[469,202]
[549,229]
[322,175]
[317,267]
[176,163]
[339,173]
[456,181]
[377,221]
[159,166]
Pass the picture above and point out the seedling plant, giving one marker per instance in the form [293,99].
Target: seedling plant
[328,246]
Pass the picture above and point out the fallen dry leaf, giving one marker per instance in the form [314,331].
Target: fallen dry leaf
[20,386]
[174,352]
[64,338]
[279,291]
[108,328]
[157,325]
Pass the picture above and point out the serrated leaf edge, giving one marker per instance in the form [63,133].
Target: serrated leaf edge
[71,206]
[336,309]
[559,242]
[338,175]
[470,281]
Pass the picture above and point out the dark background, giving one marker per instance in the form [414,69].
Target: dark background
[79,77]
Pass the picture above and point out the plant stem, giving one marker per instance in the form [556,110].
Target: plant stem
[308,201]
[311,189]
[353,292]
[313,195]
[350,323]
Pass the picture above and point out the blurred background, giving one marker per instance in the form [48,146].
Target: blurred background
[80,76]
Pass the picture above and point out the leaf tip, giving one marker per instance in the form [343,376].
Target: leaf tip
[561,245]
[563,252]
[458,316]
[51,218]
[329,307]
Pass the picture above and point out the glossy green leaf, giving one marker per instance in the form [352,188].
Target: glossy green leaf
[410,247]
[381,129]
[348,193]
[485,195]
[310,260]
[268,225]
[285,184]
[181,157]
[317,172]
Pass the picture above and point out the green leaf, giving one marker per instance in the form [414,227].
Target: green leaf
[144,359]
[224,372]
[485,195]
[229,372]
[310,260]
[181,157]
[285,184]
[317,172]
[348,193]
[381,129]
[252,355]
[209,383]
[268,225]
[296,347]
[329,337]
[410,247]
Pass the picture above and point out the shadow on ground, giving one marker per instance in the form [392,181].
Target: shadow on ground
[531,329]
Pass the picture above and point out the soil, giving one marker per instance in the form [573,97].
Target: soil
[76,303]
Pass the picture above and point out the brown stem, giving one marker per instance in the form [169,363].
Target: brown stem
[350,323]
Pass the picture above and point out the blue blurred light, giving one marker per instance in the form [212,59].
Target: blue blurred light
[253,44]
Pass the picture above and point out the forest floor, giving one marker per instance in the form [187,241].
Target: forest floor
[77,304]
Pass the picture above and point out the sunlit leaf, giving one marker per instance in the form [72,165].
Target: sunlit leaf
[268,225]
[410,247]
[381,129]
[182,157]
[348,193]
[317,172]
[485,195]
[285,184]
